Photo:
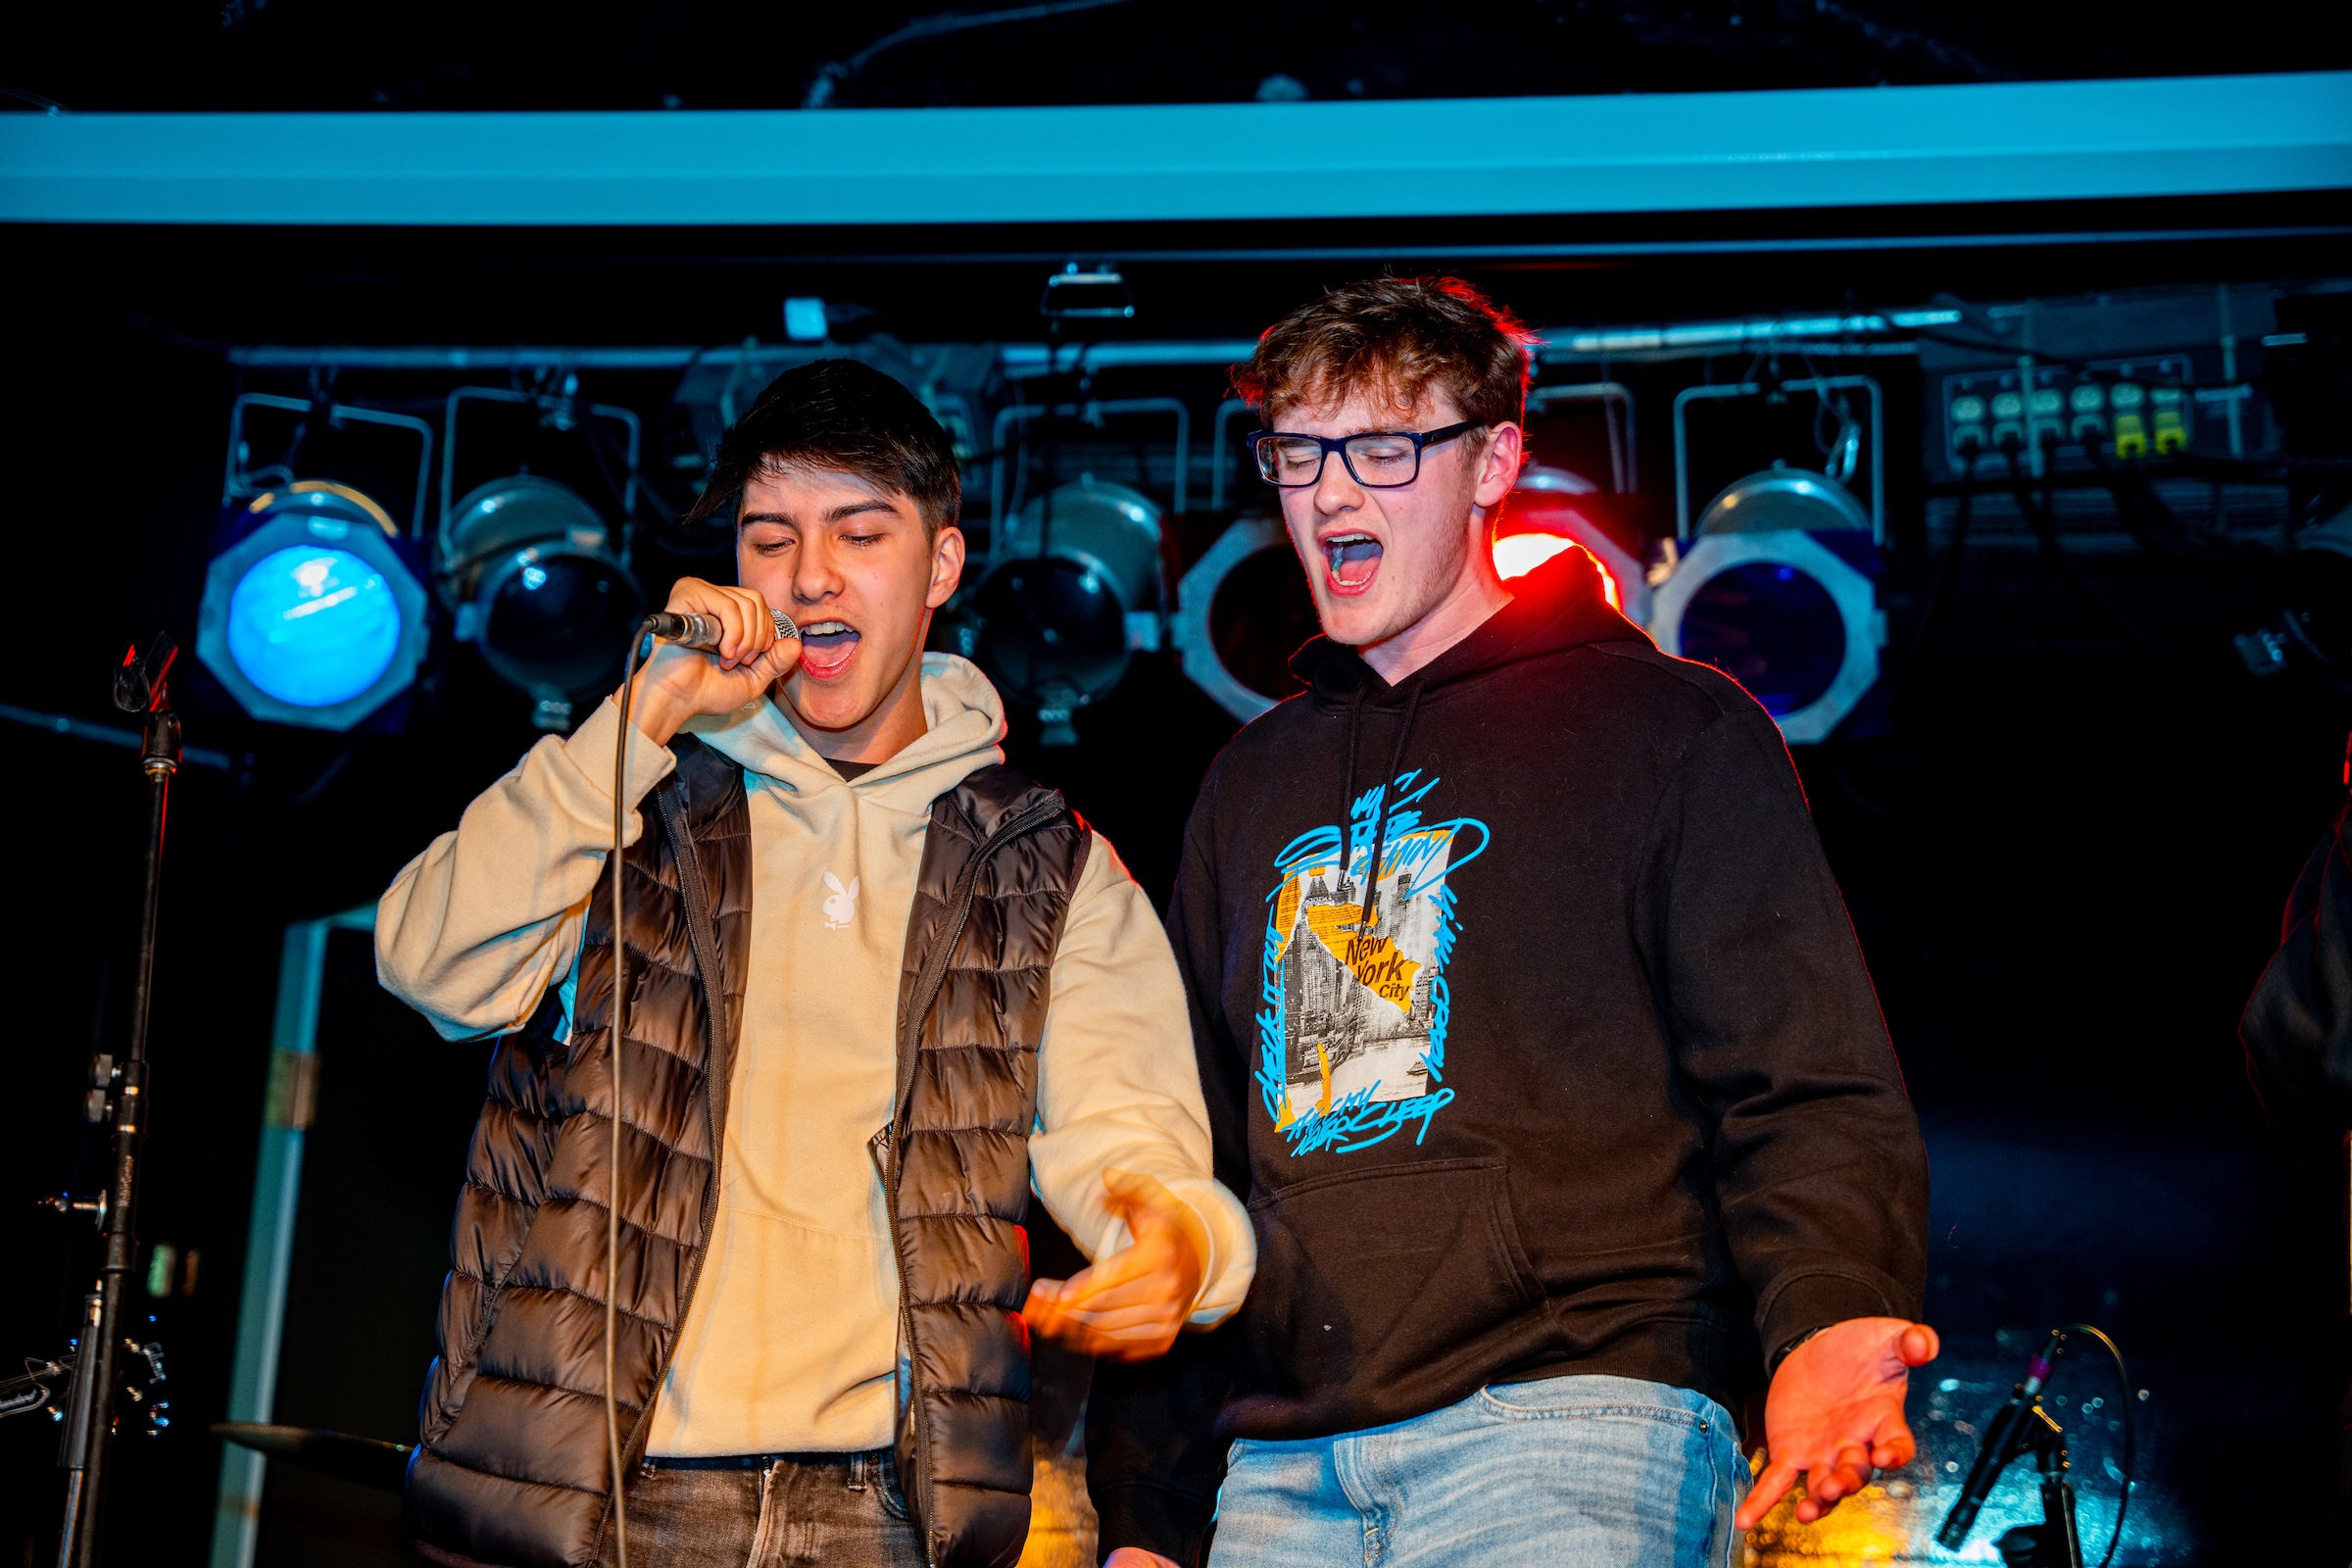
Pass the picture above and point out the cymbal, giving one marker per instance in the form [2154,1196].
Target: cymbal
[366,1460]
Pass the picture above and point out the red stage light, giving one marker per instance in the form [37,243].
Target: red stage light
[1516,554]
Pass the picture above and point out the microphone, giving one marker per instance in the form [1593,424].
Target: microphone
[693,629]
[2004,1437]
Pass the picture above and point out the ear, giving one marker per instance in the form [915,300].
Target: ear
[852,889]
[947,568]
[1499,464]
[833,882]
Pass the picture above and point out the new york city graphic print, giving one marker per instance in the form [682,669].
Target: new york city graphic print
[1351,1028]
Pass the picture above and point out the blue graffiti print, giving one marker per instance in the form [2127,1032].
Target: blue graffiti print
[1354,1006]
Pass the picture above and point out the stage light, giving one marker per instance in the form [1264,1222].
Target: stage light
[1765,597]
[1784,498]
[1241,611]
[312,617]
[1075,592]
[537,584]
[1551,510]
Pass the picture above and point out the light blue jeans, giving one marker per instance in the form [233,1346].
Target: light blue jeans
[1572,1472]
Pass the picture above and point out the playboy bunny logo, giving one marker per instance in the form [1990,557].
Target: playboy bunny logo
[841,905]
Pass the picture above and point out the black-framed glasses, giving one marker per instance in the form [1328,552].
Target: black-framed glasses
[1376,459]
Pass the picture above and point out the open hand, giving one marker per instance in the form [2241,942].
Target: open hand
[1131,1305]
[677,683]
[1835,1414]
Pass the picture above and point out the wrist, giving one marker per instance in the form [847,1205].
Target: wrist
[654,711]
[1781,1357]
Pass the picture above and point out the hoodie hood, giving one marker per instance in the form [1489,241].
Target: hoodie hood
[965,720]
[1560,604]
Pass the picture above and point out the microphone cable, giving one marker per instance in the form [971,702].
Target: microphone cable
[2123,1378]
[620,1005]
[646,629]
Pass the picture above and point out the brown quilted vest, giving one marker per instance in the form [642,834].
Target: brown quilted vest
[512,1466]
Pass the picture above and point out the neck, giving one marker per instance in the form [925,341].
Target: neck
[893,726]
[1473,599]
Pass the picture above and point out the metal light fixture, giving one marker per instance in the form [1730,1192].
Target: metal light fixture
[1092,294]
[1782,614]
[1552,510]
[1241,611]
[1782,498]
[1774,587]
[1075,591]
[536,581]
[313,615]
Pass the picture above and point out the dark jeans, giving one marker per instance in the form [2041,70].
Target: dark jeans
[829,1509]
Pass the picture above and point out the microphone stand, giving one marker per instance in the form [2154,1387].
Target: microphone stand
[139,688]
[2022,1426]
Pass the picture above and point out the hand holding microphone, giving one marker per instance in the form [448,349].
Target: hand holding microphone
[693,629]
[717,648]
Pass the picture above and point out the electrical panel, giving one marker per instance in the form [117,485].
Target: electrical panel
[2071,385]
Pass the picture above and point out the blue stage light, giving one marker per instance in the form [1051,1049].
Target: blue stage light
[313,627]
[313,617]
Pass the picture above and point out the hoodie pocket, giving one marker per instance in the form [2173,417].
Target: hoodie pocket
[1381,1292]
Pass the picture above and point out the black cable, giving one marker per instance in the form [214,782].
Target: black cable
[2006,711]
[1944,576]
[2046,530]
[2123,1378]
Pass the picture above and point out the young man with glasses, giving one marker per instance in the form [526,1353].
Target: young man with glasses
[1535,1034]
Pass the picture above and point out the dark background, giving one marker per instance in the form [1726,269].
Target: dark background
[2065,859]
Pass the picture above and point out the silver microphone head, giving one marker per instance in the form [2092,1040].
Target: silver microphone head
[784,626]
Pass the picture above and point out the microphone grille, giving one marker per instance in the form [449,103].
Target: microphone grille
[784,624]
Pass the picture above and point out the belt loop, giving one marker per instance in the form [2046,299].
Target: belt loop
[858,1467]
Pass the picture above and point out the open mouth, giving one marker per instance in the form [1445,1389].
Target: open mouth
[1353,561]
[826,648]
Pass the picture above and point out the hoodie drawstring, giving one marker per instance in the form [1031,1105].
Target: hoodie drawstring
[1356,716]
[1380,836]
[1369,905]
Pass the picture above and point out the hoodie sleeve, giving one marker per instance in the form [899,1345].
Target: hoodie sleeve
[1818,1167]
[474,931]
[1152,1461]
[1115,1083]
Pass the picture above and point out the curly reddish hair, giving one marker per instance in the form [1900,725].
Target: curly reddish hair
[1395,337]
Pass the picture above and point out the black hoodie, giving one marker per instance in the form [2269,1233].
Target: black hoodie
[1600,1084]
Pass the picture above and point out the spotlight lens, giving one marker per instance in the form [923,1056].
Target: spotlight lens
[561,623]
[313,627]
[1772,629]
[1051,619]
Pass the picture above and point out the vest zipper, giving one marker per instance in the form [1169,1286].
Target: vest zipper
[889,1144]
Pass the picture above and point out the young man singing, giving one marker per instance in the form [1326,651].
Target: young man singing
[878,985]
[1534,1032]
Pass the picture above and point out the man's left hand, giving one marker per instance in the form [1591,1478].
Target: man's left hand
[1131,1305]
[1835,1414]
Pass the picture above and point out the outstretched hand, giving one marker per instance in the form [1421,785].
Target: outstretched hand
[1131,1305]
[1835,1414]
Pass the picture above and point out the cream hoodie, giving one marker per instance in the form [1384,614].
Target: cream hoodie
[791,1342]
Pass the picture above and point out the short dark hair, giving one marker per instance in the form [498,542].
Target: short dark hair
[847,416]
[1394,336]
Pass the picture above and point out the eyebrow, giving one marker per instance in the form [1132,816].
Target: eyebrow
[838,514]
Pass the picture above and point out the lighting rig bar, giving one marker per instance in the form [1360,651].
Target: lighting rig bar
[1715,152]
